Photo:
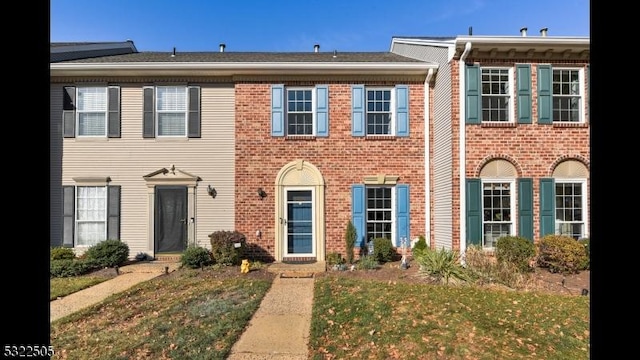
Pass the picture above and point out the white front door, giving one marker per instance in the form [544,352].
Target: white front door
[299,240]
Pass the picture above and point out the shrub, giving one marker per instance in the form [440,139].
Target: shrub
[561,253]
[108,253]
[442,265]
[419,246]
[587,248]
[517,251]
[62,253]
[485,268]
[383,250]
[68,268]
[367,262]
[224,249]
[194,257]
[334,258]
[350,237]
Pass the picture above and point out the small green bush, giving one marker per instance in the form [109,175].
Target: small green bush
[587,248]
[350,237]
[62,253]
[224,249]
[108,253]
[419,246]
[194,257]
[486,269]
[68,267]
[383,250]
[334,258]
[517,251]
[561,253]
[367,262]
[442,265]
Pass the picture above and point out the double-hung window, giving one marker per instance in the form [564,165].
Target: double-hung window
[91,111]
[560,95]
[380,111]
[171,111]
[379,212]
[300,111]
[497,206]
[570,207]
[497,96]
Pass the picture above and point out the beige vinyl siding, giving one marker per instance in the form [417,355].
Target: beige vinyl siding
[55,165]
[442,161]
[127,159]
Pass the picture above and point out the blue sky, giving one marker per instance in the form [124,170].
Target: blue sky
[296,25]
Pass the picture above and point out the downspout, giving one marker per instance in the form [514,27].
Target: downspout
[427,154]
[461,149]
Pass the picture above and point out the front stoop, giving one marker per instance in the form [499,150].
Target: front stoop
[297,270]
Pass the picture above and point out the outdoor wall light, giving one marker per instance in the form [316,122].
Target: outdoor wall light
[211,191]
[262,193]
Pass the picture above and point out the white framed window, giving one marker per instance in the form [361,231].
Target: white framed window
[171,111]
[571,206]
[91,215]
[301,118]
[498,207]
[497,94]
[568,93]
[380,214]
[380,114]
[92,111]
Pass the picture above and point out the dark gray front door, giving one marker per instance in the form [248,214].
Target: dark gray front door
[170,219]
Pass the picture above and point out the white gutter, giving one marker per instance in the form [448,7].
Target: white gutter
[427,154]
[461,149]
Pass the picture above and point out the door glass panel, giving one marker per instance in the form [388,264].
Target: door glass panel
[299,222]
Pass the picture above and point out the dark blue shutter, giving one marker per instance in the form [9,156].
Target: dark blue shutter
[148,118]
[525,208]
[402,214]
[358,104]
[68,215]
[113,212]
[114,112]
[547,206]
[194,112]
[69,111]
[322,110]
[523,80]
[545,95]
[474,211]
[473,93]
[277,110]
[402,110]
[358,212]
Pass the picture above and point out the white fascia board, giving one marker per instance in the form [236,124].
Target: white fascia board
[524,40]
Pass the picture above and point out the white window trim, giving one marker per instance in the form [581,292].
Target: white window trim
[583,106]
[106,113]
[512,201]
[512,92]
[392,109]
[585,208]
[393,209]
[314,121]
[77,221]
[156,112]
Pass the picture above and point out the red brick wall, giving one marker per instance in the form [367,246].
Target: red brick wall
[533,149]
[342,159]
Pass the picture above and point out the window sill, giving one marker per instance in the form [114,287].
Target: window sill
[505,124]
[570,125]
[380,137]
[171,139]
[90,138]
[301,137]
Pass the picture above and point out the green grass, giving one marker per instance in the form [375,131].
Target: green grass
[64,286]
[375,320]
[189,315]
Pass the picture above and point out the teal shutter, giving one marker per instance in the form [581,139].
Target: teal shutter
[322,110]
[545,94]
[525,208]
[523,80]
[69,111]
[148,111]
[402,110]
[277,110]
[473,94]
[114,112]
[358,212]
[402,214]
[68,215]
[113,212]
[194,112]
[474,211]
[547,206]
[357,110]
